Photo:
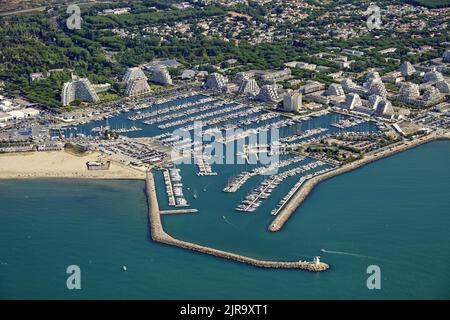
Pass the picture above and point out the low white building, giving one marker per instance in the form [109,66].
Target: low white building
[188,74]
[30,112]
[116,11]
[5,105]
[21,114]
[4,117]
[16,114]
[306,66]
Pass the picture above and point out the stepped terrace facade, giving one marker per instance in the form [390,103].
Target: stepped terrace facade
[78,89]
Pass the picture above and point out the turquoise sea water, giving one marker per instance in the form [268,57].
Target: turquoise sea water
[394,213]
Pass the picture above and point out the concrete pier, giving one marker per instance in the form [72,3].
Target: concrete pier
[180,211]
[158,234]
[290,208]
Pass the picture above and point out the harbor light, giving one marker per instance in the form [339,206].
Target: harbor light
[316,260]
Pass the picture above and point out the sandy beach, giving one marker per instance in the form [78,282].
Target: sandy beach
[59,164]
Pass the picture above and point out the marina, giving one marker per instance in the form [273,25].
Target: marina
[52,205]
[159,235]
[162,115]
[272,191]
[227,122]
[303,135]
[213,116]
[285,200]
[254,199]
[126,130]
[204,168]
[348,123]
[174,187]
[300,195]
[225,151]
[224,109]
[243,177]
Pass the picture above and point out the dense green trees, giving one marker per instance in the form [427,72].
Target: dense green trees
[40,42]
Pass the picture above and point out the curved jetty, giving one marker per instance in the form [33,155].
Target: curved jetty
[284,215]
[159,235]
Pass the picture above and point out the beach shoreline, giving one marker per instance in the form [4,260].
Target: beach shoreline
[61,164]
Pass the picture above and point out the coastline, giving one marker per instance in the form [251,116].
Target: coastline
[283,216]
[159,235]
[60,164]
[64,165]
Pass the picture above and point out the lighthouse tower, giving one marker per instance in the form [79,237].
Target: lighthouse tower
[316,260]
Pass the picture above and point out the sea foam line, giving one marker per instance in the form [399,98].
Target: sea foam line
[347,254]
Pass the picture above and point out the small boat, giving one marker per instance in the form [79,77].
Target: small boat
[124,268]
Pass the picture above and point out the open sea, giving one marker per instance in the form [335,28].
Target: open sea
[394,213]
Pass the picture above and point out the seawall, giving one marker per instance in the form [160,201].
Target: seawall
[158,234]
[290,208]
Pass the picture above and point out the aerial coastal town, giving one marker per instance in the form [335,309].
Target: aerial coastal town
[307,90]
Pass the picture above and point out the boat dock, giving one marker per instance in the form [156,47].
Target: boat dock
[240,113]
[237,182]
[180,211]
[347,123]
[223,109]
[294,189]
[162,111]
[200,107]
[174,187]
[204,168]
[254,199]
[126,130]
[169,189]
[159,235]
[305,134]
[296,200]
[243,177]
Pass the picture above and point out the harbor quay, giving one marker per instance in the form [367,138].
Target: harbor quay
[159,235]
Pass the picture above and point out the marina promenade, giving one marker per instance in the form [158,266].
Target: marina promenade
[159,235]
[290,208]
